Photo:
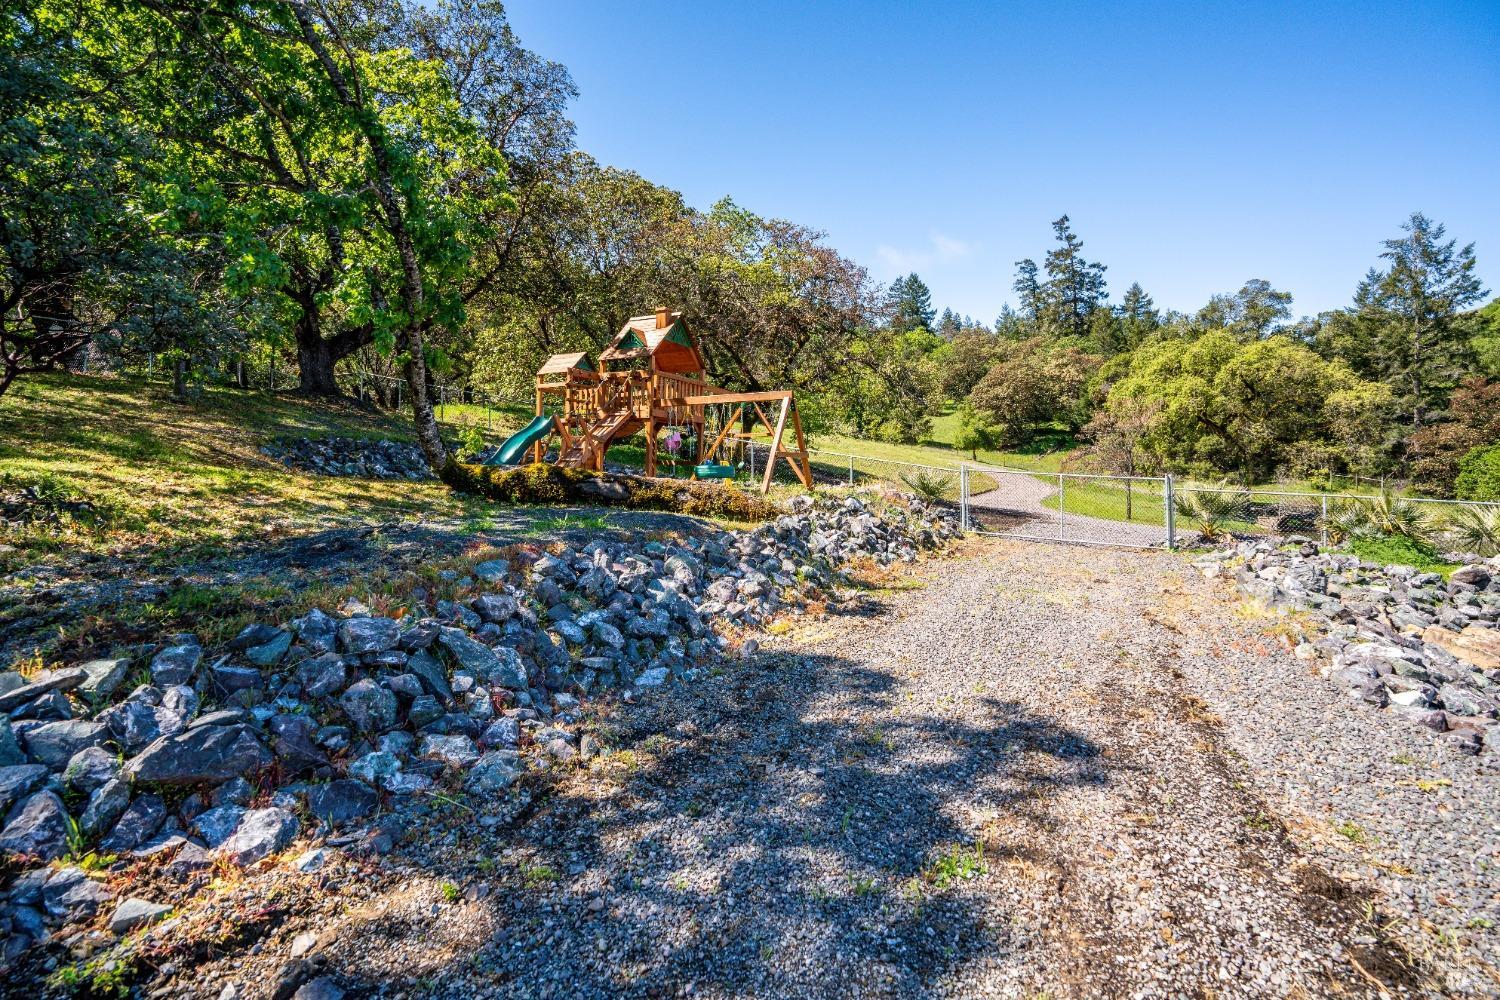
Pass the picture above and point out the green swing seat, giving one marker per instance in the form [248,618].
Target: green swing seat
[714,470]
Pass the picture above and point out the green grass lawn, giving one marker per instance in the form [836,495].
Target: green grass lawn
[172,478]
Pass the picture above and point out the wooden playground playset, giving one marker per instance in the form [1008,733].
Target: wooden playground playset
[651,379]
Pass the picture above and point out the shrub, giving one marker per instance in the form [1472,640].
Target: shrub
[1212,510]
[1479,474]
[471,444]
[930,486]
[1477,530]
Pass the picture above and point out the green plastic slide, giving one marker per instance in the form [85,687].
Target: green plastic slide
[515,446]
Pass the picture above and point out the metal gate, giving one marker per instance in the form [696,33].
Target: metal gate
[1128,511]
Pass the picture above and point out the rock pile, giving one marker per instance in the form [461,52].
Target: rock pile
[1424,647]
[337,456]
[342,715]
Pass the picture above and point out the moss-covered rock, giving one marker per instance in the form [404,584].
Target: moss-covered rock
[541,483]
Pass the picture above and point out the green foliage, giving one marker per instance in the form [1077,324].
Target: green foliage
[1476,529]
[1034,383]
[1213,511]
[471,445]
[1379,518]
[1479,474]
[930,486]
[975,432]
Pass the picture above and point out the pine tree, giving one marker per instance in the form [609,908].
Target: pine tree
[1075,287]
[909,304]
[1405,325]
[949,325]
[1028,290]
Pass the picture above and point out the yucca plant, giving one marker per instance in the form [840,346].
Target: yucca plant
[1212,509]
[1477,530]
[1389,514]
[1346,521]
[930,486]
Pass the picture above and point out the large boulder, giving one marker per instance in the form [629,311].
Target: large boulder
[201,755]
[1474,645]
[500,666]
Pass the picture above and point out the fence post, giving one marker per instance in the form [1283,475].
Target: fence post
[851,470]
[963,496]
[1324,520]
[1169,511]
[1061,500]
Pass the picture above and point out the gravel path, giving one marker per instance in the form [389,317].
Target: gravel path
[1031,773]
[1016,505]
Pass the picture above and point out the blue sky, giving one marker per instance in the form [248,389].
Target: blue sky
[1193,145]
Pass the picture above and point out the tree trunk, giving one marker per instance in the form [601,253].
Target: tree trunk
[179,378]
[241,377]
[315,358]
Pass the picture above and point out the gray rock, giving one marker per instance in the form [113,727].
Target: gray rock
[254,634]
[203,754]
[104,677]
[136,912]
[322,988]
[261,832]
[456,751]
[500,666]
[494,772]
[55,743]
[431,673]
[105,807]
[495,607]
[317,630]
[176,664]
[134,724]
[342,801]
[136,825]
[323,675]
[91,768]
[218,824]
[294,741]
[229,679]
[18,781]
[10,751]
[57,680]
[424,711]
[492,570]
[1462,700]
[375,767]
[655,677]
[369,706]
[38,826]
[269,653]
[502,733]
[368,635]
[71,895]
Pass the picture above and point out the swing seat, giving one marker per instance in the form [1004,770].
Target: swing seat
[714,470]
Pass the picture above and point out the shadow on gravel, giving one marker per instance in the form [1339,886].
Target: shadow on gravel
[772,840]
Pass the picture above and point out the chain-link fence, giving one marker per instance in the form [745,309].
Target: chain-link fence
[1205,513]
[1130,511]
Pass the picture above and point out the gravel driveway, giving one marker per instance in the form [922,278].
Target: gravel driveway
[1030,773]
[1016,505]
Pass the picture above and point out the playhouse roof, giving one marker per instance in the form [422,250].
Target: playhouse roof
[560,363]
[661,335]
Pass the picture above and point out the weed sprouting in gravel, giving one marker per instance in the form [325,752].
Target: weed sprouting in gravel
[537,876]
[959,864]
[450,892]
[1352,832]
